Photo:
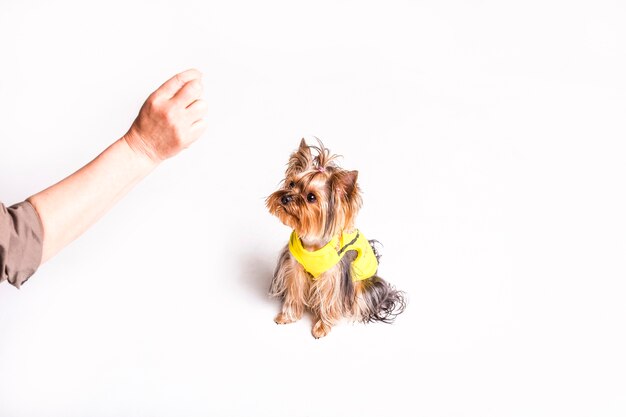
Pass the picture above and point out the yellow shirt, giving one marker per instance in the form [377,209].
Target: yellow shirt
[317,262]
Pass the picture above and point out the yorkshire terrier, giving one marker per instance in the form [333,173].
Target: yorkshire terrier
[328,266]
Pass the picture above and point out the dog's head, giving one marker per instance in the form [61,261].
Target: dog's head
[317,198]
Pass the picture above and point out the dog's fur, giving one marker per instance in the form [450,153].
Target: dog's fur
[319,200]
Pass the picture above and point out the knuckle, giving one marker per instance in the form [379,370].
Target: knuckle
[170,115]
[202,105]
[196,85]
[179,135]
[154,100]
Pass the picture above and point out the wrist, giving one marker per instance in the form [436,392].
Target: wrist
[133,146]
[137,149]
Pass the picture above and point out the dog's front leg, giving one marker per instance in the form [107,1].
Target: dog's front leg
[321,327]
[296,287]
[291,310]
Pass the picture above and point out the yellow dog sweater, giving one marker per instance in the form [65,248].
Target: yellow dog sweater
[317,262]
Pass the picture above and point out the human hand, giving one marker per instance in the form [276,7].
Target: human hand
[171,119]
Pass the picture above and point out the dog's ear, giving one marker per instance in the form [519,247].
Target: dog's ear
[300,160]
[344,203]
[345,186]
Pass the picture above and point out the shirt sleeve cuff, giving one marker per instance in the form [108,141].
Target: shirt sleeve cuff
[21,243]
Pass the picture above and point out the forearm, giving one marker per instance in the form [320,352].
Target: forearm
[71,206]
[169,121]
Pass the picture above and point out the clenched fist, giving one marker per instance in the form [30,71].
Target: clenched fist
[171,119]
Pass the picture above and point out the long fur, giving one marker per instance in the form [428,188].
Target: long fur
[334,294]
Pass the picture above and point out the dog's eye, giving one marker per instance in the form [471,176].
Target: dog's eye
[292,184]
[311,198]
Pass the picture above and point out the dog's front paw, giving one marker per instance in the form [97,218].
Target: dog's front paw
[283,318]
[320,329]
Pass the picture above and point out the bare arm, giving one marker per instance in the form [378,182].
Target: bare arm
[169,121]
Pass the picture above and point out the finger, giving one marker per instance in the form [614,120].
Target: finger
[197,110]
[188,94]
[174,84]
[197,128]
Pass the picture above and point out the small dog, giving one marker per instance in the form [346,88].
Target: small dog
[328,266]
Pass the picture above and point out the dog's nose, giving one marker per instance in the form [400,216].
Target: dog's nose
[286,199]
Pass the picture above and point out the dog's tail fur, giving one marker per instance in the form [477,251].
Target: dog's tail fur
[380,301]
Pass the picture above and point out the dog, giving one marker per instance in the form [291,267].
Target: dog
[328,266]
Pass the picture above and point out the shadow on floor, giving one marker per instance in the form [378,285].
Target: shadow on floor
[256,273]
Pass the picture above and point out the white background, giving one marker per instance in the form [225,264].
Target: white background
[489,137]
